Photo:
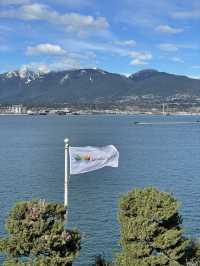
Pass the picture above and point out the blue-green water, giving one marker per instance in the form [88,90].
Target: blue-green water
[165,156]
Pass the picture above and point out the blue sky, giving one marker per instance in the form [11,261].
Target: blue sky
[121,36]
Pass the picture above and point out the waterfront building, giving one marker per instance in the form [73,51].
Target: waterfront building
[13,109]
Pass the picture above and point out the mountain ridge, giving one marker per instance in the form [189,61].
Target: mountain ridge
[40,72]
[89,85]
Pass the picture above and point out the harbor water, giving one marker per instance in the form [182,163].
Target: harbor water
[166,156]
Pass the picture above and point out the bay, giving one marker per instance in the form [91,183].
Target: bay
[165,156]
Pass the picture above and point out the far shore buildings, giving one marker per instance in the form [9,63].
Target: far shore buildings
[19,109]
[13,109]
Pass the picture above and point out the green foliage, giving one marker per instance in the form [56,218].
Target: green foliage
[36,236]
[151,232]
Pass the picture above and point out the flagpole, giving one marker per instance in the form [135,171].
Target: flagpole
[66,182]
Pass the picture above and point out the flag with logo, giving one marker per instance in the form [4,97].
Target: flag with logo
[86,159]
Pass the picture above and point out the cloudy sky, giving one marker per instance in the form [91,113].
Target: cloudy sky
[121,36]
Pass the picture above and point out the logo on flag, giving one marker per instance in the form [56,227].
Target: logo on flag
[86,159]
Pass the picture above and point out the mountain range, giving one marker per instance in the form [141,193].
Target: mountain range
[87,86]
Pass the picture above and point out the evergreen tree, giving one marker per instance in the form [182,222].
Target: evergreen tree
[151,232]
[36,236]
[101,261]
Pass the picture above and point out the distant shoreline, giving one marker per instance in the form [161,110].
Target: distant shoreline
[106,113]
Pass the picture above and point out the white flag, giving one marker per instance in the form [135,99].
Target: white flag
[86,159]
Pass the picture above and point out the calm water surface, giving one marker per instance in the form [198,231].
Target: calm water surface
[165,156]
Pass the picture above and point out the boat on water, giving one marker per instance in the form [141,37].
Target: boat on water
[43,113]
[167,123]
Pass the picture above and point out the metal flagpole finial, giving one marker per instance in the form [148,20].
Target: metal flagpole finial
[66,141]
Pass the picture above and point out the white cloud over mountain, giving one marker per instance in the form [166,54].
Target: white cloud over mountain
[113,49]
[45,48]
[168,29]
[138,61]
[140,58]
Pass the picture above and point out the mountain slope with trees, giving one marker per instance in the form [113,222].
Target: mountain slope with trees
[91,86]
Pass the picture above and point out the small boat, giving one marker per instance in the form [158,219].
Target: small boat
[75,113]
[168,123]
[43,113]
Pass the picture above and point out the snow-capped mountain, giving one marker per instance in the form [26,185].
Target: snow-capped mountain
[90,86]
[23,74]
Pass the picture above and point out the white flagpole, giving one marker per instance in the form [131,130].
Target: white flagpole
[66,203]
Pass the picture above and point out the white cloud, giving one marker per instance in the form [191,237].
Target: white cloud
[36,67]
[137,61]
[128,43]
[168,29]
[70,60]
[193,14]
[168,47]
[43,68]
[172,47]
[111,49]
[65,63]
[141,55]
[45,48]
[140,58]
[177,60]
[87,55]
[71,22]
